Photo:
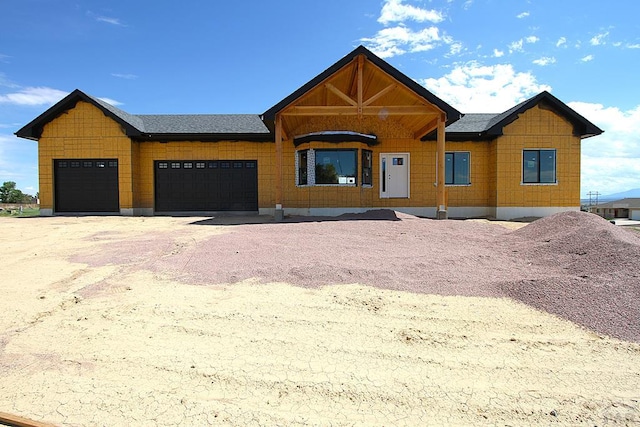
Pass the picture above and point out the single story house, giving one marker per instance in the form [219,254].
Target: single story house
[361,135]
[623,208]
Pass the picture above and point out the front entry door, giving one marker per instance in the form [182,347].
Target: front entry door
[394,175]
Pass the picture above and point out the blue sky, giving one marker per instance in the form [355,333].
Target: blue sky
[164,57]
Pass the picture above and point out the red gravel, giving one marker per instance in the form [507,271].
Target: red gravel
[575,265]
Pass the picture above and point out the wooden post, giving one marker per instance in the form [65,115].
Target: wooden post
[441,198]
[279,211]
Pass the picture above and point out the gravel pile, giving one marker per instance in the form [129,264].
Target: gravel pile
[595,272]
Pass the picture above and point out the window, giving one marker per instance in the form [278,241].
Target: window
[539,166]
[200,165]
[456,168]
[188,165]
[336,166]
[163,165]
[367,165]
[175,165]
[302,167]
[87,164]
[100,164]
[113,163]
[74,164]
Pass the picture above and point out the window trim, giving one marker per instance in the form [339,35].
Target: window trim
[454,184]
[555,167]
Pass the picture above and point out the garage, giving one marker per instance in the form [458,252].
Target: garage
[206,185]
[86,185]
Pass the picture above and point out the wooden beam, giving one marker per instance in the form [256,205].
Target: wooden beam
[360,83]
[340,94]
[441,196]
[433,124]
[391,110]
[15,420]
[380,94]
[279,158]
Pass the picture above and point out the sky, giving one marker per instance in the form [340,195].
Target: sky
[242,56]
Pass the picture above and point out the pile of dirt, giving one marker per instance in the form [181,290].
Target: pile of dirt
[597,279]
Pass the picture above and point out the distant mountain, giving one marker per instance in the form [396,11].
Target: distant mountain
[617,196]
[604,198]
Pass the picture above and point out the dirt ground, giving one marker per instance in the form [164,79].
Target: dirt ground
[380,320]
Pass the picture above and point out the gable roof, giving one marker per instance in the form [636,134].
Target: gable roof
[489,126]
[452,113]
[210,127]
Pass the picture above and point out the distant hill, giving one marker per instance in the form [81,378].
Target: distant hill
[604,198]
[617,196]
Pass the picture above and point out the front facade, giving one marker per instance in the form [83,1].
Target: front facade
[359,136]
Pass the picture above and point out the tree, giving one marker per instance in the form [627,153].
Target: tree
[10,194]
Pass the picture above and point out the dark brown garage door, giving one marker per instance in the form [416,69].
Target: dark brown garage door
[206,185]
[86,185]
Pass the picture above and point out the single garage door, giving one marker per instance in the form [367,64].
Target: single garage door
[86,185]
[206,185]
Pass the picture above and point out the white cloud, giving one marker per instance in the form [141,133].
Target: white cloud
[587,58]
[111,101]
[522,15]
[33,96]
[545,60]
[396,11]
[633,46]
[398,40]
[598,39]
[562,41]
[611,161]
[125,76]
[109,20]
[477,88]
[498,53]
[532,39]
[516,46]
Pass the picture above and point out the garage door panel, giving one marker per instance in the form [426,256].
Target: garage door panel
[86,185]
[206,185]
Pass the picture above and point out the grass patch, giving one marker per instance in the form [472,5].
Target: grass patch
[15,213]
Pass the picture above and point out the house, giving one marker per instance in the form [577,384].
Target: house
[624,208]
[361,135]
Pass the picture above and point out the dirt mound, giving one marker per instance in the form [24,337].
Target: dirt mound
[598,280]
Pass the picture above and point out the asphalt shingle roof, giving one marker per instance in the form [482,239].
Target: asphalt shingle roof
[203,123]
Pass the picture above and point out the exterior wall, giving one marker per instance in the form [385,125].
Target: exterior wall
[83,132]
[538,128]
[481,174]
[392,139]
[148,152]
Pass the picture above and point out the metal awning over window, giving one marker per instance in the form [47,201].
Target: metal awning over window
[336,136]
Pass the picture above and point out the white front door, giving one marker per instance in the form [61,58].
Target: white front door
[394,175]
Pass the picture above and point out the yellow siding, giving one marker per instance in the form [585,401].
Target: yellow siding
[538,128]
[84,132]
[481,176]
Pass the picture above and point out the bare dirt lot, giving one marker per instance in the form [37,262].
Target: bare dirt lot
[379,319]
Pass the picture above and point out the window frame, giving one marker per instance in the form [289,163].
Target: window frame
[539,162]
[453,166]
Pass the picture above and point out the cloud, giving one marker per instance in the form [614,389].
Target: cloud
[125,76]
[398,40]
[497,53]
[522,15]
[396,11]
[33,96]
[545,60]
[532,39]
[516,46]
[111,101]
[633,46]
[611,161]
[109,20]
[476,88]
[598,39]
[562,41]
[587,58]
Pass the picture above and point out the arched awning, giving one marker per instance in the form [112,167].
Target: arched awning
[336,136]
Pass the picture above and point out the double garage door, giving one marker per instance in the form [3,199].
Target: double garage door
[91,185]
[206,185]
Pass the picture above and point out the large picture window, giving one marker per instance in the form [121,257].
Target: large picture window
[336,166]
[456,170]
[539,166]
